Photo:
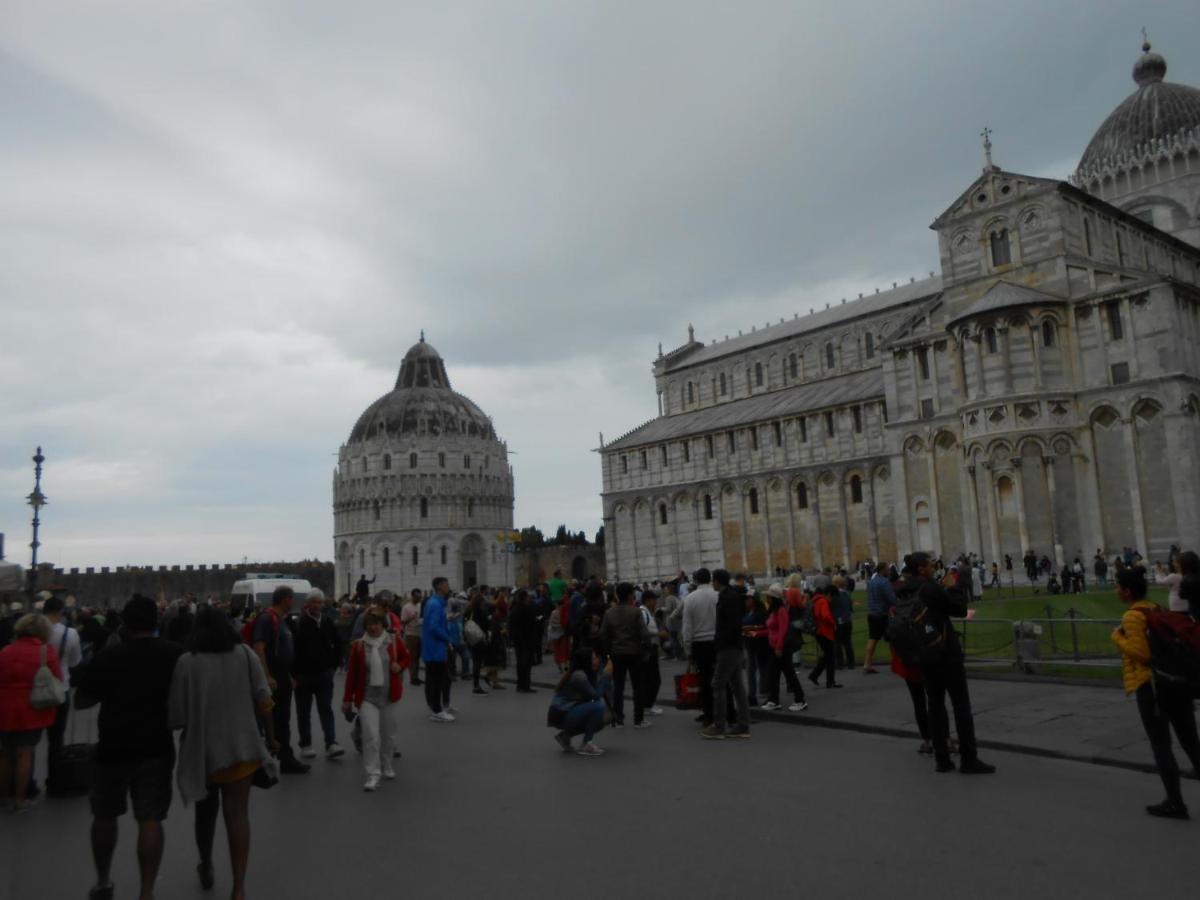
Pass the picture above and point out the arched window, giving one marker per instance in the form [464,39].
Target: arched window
[802,496]
[387,460]
[662,514]
[724,387]
[1047,332]
[1006,496]
[708,506]
[412,460]
[829,356]
[387,556]
[443,554]
[869,345]
[1087,237]
[855,489]
[758,374]
[989,337]
[424,508]
[467,461]
[1001,251]
[754,501]
[366,465]
[416,555]
[441,460]
[470,508]
[362,559]
[793,367]
[691,392]
[376,510]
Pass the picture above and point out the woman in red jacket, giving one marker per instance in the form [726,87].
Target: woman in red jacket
[826,631]
[374,686]
[21,725]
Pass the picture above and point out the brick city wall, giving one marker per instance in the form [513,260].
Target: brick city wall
[539,563]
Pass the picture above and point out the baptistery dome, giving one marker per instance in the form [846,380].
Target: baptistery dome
[423,487]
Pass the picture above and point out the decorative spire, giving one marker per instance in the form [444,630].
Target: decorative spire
[422,335]
[986,134]
[1150,67]
[691,334]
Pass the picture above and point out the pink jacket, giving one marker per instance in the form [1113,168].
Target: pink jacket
[777,626]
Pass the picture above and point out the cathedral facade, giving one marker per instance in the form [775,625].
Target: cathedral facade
[1041,392]
[422,487]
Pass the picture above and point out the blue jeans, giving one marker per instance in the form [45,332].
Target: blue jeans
[585,719]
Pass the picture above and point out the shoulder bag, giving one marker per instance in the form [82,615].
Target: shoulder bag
[47,691]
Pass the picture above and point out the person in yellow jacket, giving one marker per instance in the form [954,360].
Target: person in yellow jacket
[1162,706]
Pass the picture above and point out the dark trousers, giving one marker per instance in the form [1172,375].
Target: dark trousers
[651,678]
[413,645]
[916,691]
[525,651]
[728,676]
[949,678]
[54,739]
[477,654]
[704,655]
[1161,711]
[317,687]
[826,664]
[436,684]
[758,668]
[627,664]
[281,715]
[845,645]
[782,664]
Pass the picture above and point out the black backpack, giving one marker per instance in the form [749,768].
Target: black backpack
[916,640]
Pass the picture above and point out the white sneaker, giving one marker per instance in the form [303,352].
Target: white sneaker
[590,749]
[333,751]
[451,710]
[442,716]
[307,752]
[645,723]
[768,706]
[655,711]
[389,773]
[798,707]
[372,783]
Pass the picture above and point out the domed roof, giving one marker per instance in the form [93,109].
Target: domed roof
[422,403]
[1157,111]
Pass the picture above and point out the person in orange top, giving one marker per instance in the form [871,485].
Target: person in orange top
[1162,706]
[374,686]
[826,631]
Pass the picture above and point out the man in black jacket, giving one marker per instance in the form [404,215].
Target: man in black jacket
[947,676]
[318,650]
[728,673]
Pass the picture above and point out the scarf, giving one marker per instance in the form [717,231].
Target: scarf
[376,651]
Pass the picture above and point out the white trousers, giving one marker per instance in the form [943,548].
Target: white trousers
[378,736]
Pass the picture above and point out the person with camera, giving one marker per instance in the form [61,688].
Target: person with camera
[945,674]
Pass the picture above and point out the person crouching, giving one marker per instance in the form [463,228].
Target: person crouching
[374,687]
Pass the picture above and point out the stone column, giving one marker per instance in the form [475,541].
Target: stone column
[742,519]
[766,514]
[791,528]
[959,367]
[933,376]
[935,514]
[1135,487]
[637,568]
[697,511]
[1098,313]
[993,518]
[815,502]
[1052,494]
[678,543]
[872,526]
[1087,491]
[1037,355]
[972,527]
[1022,522]
[1180,431]
[1130,342]
[612,546]
[843,486]
[980,381]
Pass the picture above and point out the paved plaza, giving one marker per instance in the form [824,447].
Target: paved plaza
[489,805]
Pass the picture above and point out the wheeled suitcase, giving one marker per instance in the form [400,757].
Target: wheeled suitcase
[71,774]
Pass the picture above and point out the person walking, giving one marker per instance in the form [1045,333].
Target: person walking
[1162,705]
[220,694]
[22,724]
[881,600]
[826,632]
[783,640]
[318,652]
[623,631]
[525,631]
[65,641]
[135,750]
[651,675]
[410,621]
[435,648]
[729,663]
[276,648]
[946,676]
[699,627]
[842,606]
[374,686]
[578,705]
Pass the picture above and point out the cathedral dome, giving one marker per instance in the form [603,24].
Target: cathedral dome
[1156,113]
[422,403]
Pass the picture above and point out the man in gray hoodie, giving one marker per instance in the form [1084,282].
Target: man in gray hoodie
[699,630]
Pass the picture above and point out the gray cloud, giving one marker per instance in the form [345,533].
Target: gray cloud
[225,223]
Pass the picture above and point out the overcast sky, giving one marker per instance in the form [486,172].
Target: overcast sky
[223,223]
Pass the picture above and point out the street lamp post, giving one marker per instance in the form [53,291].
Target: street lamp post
[37,500]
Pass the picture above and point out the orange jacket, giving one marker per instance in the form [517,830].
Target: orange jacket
[823,616]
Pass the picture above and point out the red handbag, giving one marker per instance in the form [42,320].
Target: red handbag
[687,690]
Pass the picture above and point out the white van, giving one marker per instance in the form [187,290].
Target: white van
[255,589]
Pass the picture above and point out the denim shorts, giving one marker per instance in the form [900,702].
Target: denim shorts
[147,781]
[11,740]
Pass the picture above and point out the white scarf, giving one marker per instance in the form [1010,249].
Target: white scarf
[376,650]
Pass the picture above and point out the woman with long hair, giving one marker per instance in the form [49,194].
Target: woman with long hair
[579,702]
[478,612]
[219,694]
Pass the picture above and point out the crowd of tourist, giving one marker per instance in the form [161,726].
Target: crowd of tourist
[201,694]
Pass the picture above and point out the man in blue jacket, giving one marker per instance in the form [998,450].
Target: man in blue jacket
[435,643]
[881,600]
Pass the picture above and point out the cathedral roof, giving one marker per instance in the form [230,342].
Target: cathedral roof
[422,403]
[1006,295]
[818,319]
[791,401]
[1156,115]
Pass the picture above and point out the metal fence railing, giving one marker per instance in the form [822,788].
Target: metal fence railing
[1069,640]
